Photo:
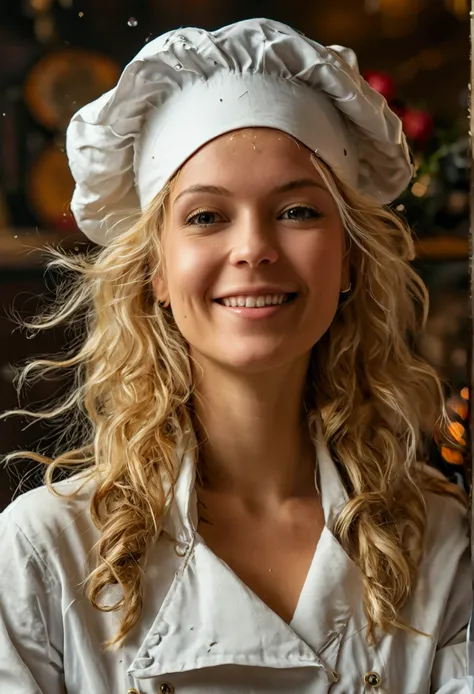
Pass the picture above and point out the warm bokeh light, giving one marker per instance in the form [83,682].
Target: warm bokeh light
[460,8]
[457,431]
[452,457]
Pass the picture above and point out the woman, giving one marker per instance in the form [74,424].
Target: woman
[250,513]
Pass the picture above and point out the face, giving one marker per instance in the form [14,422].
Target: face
[251,222]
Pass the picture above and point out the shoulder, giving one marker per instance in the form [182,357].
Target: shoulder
[52,529]
[443,595]
[446,545]
[40,511]
[447,513]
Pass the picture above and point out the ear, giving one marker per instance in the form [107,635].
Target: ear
[160,288]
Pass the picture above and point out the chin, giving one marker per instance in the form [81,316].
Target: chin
[254,362]
[237,355]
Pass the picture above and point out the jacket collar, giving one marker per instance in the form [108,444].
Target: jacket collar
[333,494]
[183,515]
[210,618]
[193,629]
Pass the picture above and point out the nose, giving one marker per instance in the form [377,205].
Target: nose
[254,243]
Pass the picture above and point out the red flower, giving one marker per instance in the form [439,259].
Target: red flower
[418,125]
[381,82]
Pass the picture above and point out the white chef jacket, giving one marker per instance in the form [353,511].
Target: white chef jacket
[202,629]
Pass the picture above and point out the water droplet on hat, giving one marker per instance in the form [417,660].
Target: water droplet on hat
[132,22]
[178,66]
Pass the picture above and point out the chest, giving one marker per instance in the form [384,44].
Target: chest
[211,635]
[271,555]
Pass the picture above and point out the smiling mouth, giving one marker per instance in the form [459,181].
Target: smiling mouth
[256,302]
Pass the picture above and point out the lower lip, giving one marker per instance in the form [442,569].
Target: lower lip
[257,313]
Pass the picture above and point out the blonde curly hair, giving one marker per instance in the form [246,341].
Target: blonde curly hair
[133,397]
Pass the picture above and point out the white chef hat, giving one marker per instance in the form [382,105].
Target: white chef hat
[189,86]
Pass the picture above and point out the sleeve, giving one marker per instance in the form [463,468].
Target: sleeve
[450,668]
[30,618]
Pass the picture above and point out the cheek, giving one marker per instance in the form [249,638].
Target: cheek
[191,270]
[320,263]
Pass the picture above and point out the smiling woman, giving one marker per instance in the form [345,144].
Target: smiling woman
[251,509]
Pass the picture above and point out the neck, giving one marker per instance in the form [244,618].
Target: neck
[255,442]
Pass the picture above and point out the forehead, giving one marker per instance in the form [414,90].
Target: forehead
[247,154]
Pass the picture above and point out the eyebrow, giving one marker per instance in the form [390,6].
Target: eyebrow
[285,188]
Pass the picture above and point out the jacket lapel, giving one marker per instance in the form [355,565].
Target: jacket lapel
[210,617]
[329,608]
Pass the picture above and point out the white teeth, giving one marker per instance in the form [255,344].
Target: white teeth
[255,301]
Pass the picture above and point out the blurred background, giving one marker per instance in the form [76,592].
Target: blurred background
[56,55]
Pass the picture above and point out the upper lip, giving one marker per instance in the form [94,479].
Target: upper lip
[260,290]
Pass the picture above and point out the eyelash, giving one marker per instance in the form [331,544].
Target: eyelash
[190,220]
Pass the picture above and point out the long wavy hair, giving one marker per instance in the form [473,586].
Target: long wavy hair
[133,401]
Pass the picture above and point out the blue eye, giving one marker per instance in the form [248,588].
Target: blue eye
[301,213]
[202,218]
